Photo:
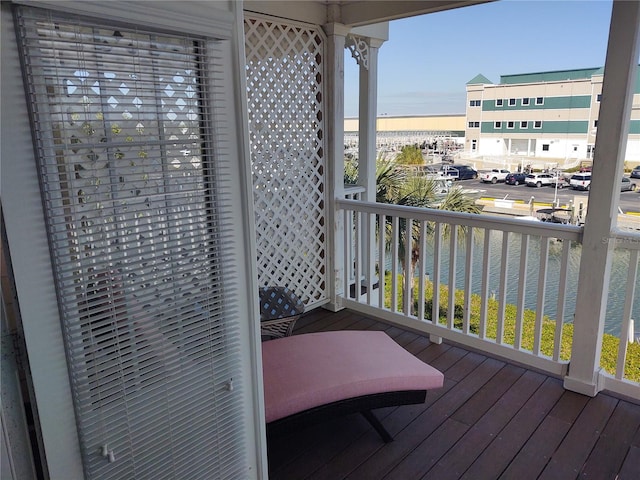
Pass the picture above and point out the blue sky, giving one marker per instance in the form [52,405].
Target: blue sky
[425,64]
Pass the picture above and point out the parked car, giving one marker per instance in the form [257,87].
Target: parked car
[495,175]
[580,181]
[627,185]
[515,178]
[449,172]
[465,172]
[635,173]
[539,179]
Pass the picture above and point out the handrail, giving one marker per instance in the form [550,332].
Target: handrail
[515,225]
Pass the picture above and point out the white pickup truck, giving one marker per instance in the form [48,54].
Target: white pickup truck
[494,176]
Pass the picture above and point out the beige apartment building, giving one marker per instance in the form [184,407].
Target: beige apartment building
[547,117]
[443,124]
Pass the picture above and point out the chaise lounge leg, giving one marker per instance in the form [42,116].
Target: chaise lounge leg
[375,423]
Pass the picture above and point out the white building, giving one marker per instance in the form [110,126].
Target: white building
[545,117]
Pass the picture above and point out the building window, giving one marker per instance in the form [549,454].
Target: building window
[497,125]
[539,100]
[537,124]
[512,102]
[474,124]
[524,124]
[525,102]
[510,124]
[474,103]
[599,97]
[545,147]
[595,123]
[498,102]
[474,145]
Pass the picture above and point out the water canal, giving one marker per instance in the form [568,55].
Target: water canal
[617,286]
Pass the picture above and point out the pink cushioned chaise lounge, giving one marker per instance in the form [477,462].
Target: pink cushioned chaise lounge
[318,375]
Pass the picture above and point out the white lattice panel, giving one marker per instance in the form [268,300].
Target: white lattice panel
[285,97]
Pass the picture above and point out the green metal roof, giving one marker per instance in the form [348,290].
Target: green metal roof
[554,76]
[479,79]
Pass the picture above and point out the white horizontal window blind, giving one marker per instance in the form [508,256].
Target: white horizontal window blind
[131,158]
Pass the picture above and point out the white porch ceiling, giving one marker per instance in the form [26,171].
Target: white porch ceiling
[352,13]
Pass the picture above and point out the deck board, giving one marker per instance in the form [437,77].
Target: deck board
[491,420]
[609,452]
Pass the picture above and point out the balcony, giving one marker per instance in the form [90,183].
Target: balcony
[493,419]
[515,285]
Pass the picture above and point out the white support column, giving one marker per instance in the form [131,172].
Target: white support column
[367,155]
[334,122]
[613,126]
[368,112]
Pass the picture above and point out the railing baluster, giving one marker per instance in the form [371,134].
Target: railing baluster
[522,286]
[394,264]
[562,293]
[422,265]
[626,318]
[348,266]
[466,321]
[358,255]
[484,299]
[453,250]
[369,266]
[435,300]
[504,261]
[542,277]
[408,272]
[382,219]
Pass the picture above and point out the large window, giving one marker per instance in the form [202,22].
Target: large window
[130,152]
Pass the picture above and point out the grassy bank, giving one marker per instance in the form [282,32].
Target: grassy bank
[609,346]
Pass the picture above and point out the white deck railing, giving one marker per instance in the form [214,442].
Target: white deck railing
[510,276]
[627,286]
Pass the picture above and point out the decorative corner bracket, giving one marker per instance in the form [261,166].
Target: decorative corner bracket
[359,48]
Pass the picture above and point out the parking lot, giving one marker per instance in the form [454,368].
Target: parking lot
[629,201]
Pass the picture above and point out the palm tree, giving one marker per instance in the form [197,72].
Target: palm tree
[424,192]
[395,186]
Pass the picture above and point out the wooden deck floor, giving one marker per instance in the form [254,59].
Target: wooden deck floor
[491,420]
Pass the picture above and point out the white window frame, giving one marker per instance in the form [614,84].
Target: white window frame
[499,102]
[537,124]
[512,102]
[27,237]
[546,147]
[525,101]
[511,125]
[539,100]
[497,125]
[524,124]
